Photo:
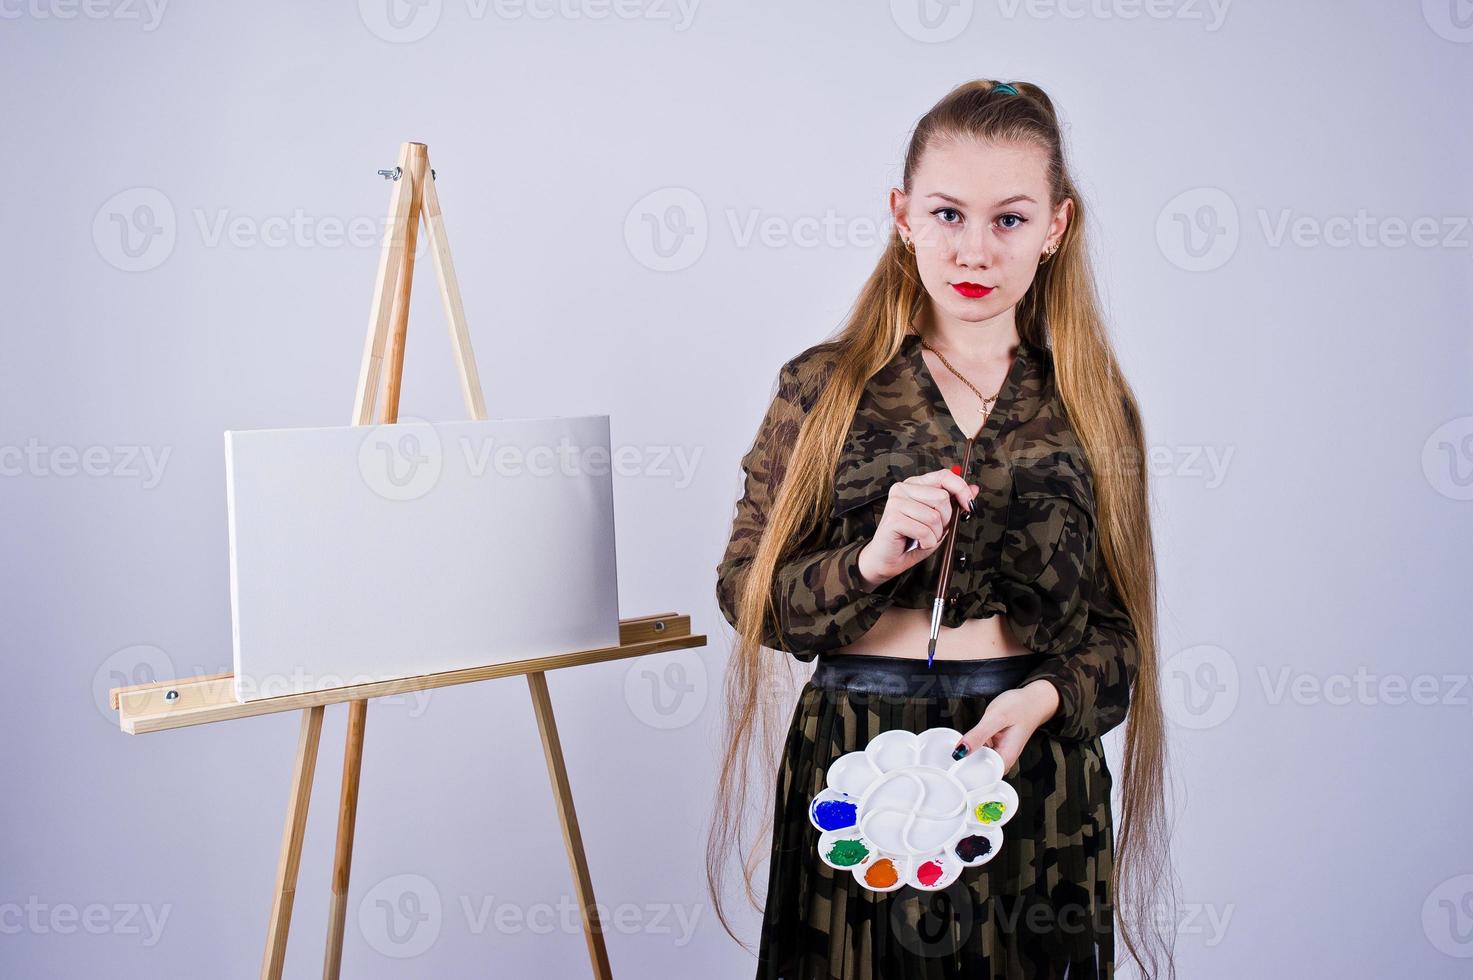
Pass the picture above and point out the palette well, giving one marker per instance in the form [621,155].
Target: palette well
[901,811]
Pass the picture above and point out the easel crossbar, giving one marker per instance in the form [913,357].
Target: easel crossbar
[204,700]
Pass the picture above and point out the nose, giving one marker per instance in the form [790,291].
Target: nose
[974,247]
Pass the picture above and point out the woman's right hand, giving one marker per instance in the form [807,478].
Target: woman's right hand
[917,510]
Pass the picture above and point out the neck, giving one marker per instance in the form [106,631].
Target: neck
[977,341]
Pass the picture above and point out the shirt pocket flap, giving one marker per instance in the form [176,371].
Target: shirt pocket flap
[1058,475]
[1050,520]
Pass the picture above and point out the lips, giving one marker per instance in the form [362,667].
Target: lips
[972,290]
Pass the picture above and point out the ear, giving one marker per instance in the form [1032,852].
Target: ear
[1063,214]
[899,202]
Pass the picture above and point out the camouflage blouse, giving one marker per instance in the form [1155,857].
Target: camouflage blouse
[1029,550]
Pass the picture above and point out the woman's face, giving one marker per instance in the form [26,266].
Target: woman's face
[979,216]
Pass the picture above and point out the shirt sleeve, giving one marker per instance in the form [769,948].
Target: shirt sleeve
[818,595]
[1094,678]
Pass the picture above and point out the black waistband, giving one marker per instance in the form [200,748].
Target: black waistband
[910,677]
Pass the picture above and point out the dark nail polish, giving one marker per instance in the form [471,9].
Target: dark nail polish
[959,751]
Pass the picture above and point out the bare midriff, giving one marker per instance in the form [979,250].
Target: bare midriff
[901,632]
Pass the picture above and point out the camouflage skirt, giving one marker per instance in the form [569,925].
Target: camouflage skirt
[1041,907]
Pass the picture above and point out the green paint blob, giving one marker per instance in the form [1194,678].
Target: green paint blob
[991,811]
[848,852]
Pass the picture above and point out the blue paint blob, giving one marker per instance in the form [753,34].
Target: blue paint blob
[834,814]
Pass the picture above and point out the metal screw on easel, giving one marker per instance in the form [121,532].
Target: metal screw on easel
[398,172]
[172,696]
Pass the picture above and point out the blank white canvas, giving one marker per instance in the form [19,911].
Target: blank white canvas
[369,553]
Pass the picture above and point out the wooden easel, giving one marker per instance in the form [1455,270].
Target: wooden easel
[164,705]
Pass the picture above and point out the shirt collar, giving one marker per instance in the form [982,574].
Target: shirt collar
[902,426]
[1027,385]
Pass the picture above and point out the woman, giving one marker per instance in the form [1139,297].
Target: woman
[979,325]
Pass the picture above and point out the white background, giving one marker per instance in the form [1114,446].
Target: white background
[1306,396]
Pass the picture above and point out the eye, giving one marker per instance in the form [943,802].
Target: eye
[1021,221]
[939,211]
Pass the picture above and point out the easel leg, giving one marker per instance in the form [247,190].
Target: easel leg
[386,288]
[291,844]
[404,280]
[343,859]
[563,794]
[388,324]
[460,334]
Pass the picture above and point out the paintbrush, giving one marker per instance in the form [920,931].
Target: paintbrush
[943,580]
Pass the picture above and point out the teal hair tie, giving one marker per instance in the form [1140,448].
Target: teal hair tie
[1005,89]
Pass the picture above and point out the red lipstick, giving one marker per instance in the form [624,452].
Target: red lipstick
[972,290]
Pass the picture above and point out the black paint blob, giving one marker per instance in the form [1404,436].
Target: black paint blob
[971,848]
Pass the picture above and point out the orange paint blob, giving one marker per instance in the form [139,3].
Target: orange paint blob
[881,874]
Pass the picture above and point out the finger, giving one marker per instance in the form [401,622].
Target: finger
[941,499]
[944,484]
[965,495]
[980,734]
[937,498]
[922,512]
[1009,743]
[940,478]
[919,529]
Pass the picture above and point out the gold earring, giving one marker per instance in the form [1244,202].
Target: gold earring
[1048,253]
[909,245]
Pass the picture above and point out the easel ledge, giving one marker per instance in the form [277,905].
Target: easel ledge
[190,701]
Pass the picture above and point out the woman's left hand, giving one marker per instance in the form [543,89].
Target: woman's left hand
[1011,718]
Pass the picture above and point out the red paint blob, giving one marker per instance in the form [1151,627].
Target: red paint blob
[928,873]
[957,470]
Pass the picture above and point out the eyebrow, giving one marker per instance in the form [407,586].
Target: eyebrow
[1000,204]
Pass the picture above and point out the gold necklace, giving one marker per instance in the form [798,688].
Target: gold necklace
[986,401]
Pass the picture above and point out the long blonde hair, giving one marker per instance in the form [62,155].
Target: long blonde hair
[1060,311]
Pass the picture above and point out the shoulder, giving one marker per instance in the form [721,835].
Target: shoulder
[804,375]
[1043,361]
[1041,431]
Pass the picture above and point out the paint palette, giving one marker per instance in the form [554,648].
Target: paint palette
[901,811]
